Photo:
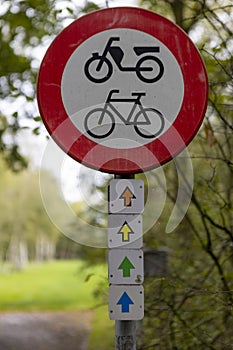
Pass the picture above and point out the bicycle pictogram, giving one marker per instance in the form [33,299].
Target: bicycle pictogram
[148,68]
[100,122]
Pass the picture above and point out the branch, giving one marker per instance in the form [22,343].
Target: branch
[209,219]
[228,162]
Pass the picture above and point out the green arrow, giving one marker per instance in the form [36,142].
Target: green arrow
[126,266]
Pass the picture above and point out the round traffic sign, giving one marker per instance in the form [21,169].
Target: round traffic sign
[122,90]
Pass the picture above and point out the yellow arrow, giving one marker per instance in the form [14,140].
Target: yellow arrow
[125,231]
[127,195]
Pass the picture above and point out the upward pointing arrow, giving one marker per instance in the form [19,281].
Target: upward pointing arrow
[127,195]
[126,266]
[125,301]
[125,231]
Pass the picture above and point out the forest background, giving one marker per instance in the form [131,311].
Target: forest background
[191,307]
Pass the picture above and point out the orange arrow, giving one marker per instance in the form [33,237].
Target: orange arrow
[127,195]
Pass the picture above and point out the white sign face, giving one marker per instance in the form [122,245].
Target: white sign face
[126,302]
[125,266]
[116,86]
[126,196]
[125,231]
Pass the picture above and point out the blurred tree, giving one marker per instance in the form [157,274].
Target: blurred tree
[192,307]
[24,26]
[27,27]
[26,232]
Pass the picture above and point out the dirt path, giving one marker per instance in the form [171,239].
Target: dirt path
[45,330]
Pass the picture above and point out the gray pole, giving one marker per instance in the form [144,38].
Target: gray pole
[125,331]
[125,335]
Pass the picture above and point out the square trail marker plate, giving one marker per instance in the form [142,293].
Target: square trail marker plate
[125,266]
[126,196]
[126,302]
[125,231]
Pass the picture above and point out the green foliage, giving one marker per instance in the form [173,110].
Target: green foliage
[191,308]
[23,25]
[102,330]
[26,26]
[25,228]
[59,285]
[90,6]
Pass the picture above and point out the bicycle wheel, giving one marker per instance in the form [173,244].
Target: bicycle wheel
[149,123]
[98,75]
[99,126]
[152,75]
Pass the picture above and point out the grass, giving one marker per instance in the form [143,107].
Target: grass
[102,335]
[58,285]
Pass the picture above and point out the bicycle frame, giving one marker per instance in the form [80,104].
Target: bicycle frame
[127,121]
[109,112]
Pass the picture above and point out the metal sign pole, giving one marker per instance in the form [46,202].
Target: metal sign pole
[125,331]
[125,338]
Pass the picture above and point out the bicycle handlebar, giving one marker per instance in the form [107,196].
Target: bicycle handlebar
[138,93]
[116,91]
[113,38]
[111,92]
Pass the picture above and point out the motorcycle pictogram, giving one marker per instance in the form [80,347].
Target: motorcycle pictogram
[100,121]
[148,68]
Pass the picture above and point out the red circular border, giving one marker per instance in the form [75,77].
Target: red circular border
[108,159]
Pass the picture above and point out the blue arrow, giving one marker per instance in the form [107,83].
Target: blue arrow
[125,301]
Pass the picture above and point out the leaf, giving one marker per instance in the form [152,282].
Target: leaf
[37,119]
[15,115]
[70,10]
[36,131]
[88,277]
[29,98]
